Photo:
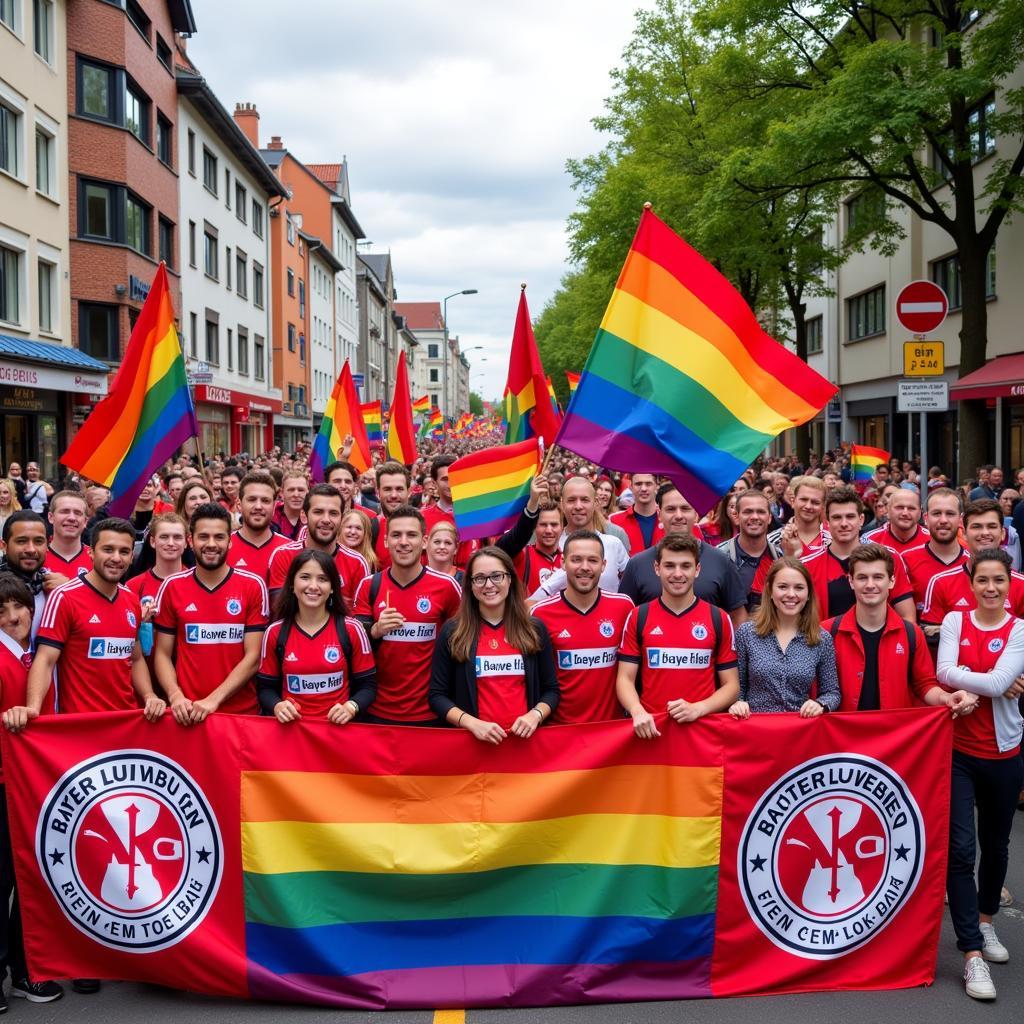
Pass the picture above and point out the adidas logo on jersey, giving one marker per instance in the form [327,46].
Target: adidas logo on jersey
[382,604]
[965,642]
[241,561]
[962,603]
[292,656]
[899,649]
[656,631]
[95,618]
[192,607]
[564,635]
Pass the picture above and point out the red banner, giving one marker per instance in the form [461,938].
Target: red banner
[416,867]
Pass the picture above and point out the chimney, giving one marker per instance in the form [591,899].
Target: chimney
[247,117]
[275,142]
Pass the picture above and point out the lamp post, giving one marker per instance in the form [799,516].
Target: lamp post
[444,317]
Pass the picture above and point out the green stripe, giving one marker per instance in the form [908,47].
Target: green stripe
[308,899]
[158,396]
[680,396]
[491,499]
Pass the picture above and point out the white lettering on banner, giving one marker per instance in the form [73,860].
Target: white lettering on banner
[316,684]
[504,665]
[412,632]
[678,657]
[16,374]
[591,657]
[111,648]
[222,395]
[213,633]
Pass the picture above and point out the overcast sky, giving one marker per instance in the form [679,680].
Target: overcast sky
[456,118]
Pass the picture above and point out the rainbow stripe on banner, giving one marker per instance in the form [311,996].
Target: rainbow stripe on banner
[373,419]
[489,880]
[864,460]
[491,487]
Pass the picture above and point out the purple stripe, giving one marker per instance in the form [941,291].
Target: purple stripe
[180,432]
[504,985]
[626,454]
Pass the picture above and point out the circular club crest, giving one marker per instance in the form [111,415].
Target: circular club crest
[131,619]
[130,849]
[995,645]
[830,854]
[234,606]
[699,631]
[423,605]
[332,655]
[607,629]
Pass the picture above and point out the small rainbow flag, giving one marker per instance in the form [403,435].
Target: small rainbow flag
[864,460]
[574,380]
[491,487]
[421,407]
[526,412]
[148,413]
[682,381]
[340,418]
[374,420]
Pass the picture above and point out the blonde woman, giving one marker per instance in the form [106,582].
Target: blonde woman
[442,547]
[9,503]
[355,535]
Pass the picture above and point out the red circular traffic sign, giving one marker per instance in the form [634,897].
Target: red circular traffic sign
[921,307]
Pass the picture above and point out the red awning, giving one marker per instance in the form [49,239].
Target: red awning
[1002,377]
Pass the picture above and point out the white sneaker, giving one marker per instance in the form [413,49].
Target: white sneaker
[993,950]
[977,979]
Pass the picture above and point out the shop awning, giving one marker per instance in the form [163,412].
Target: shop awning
[1002,377]
[48,353]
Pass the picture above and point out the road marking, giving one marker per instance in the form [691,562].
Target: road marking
[449,1017]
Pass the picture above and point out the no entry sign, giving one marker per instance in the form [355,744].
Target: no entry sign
[921,306]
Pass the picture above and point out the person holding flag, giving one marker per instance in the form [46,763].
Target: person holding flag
[342,433]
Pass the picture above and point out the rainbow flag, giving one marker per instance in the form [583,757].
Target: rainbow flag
[491,487]
[421,407]
[682,381]
[435,425]
[401,443]
[340,419]
[864,460]
[148,413]
[574,380]
[526,412]
[373,418]
[556,407]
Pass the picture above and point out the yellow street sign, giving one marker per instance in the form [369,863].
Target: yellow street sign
[924,359]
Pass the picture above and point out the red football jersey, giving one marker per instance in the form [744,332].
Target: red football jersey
[831,580]
[534,567]
[146,586]
[70,567]
[314,675]
[922,565]
[950,591]
[14,664]
[209,628]
[435,514]
[96,637]
[500,677]
[351,567]
[586,646]
[884,536]
[404,655]
[254,558]
[679,655]
[627,520]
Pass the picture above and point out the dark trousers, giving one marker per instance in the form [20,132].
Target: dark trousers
[12,945]
[991,785]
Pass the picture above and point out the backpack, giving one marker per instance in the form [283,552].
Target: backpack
[641,621]
[907,625]
[343,640]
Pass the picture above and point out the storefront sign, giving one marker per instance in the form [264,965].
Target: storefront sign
[923,396]
[239,399]
[46,377]
[221,395]
[138,289]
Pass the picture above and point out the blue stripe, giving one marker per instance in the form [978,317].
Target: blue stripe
[483,516]
[148,449]
[343,949]
[124,501]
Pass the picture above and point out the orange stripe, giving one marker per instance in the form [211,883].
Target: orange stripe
[322,797]
[655,286]
[499,467]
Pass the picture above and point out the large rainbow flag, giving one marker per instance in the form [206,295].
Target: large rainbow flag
[528,405]
[341,417]
[682,380]
[491,487]
[401,439]
[148,413]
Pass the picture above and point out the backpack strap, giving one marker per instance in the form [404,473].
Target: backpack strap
[374,531]
[641,622]
[526,565]
[345,644]
[911,643]
[282,639]
[836,623]
[375,584]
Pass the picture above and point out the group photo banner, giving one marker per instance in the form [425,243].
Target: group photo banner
[394,868]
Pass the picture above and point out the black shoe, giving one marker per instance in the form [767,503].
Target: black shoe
[36,991]
[85,986]
[3,1000]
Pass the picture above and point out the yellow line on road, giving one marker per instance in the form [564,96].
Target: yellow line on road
[449,1017]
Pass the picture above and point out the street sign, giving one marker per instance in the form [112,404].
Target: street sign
[924,358]
[199,377]
[923,396]
[921,307]
[357,379]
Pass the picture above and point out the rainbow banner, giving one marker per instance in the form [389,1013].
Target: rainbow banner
[491,487]
[341,418]
[148,413]
[682,380]
[574,380]
[421,868]
[373,420]
[864,460]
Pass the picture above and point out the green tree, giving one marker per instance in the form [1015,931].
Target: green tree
[476,404]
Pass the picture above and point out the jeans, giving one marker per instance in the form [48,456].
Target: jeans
[12,946]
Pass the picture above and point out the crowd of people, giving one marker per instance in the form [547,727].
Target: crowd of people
[240,586]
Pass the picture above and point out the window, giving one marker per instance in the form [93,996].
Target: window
[946,274]
[165,241]
[137,225]
[302,350]
[291,337]
[10,129]
[814,339]
[97,91]
[191,243]
[42,26]
[96,214]
[46,169]
[433,351]
[981,137]
[164,140]
[98,331]
[9,10]
[241,274]
[231,351]
[227,266]
[193,341]
[243,351]
[212,343]
[257,285]
[209,171]
[47,293]
[210,255]
[138,17]
[10,285]
[433,377]
[290,230]
[227,188]
[257,356]
[241,204]
[257,218]
[191,152]
[434,399]
[163,52]
[866,314]
[291,282]
[865,209]
[302,299]
[990,275]
[136,113]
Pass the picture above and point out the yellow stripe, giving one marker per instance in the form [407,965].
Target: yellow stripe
[449,1017]
[275,847]
[651,331]
[474,488]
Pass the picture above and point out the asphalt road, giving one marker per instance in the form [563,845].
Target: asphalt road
[944,1002]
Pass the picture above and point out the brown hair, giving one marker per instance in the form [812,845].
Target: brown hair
[166,519]
[843,496]
[519,628]
[256,477]
[982,507]
[944,492]
[767,618]
[864,553]
[191,485]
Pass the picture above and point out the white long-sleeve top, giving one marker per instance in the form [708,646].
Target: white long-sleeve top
[1005,712]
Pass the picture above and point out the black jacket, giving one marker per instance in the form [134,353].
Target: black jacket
[453,683]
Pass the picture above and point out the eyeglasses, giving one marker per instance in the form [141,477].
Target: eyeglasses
[497,578]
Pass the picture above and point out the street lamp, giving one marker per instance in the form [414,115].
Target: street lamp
[444,317]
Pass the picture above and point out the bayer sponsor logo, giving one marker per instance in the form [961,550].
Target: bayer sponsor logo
[565,659]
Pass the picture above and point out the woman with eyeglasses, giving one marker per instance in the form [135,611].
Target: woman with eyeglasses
[493,672]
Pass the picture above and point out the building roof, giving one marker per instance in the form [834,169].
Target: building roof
[49,354]
[317,245]
[378,262]
[365,269]
[335,177]
[274,157]
[182,18]
[196,89]
[421,316]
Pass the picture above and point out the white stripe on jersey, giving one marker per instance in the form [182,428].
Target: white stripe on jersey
[55,598]
[444,576]
[265,597]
